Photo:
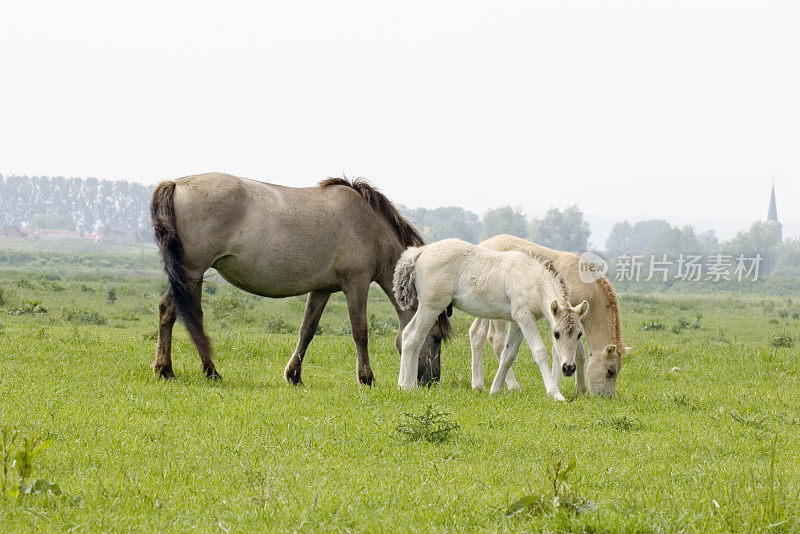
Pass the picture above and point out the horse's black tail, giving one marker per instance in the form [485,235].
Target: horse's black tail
[162,215]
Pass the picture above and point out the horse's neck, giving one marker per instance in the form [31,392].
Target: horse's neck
[548,290]
[600,326]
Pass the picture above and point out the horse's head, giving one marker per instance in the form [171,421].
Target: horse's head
[566,327]
[603,370]
[429,369]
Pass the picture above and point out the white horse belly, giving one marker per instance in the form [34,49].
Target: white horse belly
[483,306]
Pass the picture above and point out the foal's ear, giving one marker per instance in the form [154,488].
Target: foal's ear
[554,307]
[582,308]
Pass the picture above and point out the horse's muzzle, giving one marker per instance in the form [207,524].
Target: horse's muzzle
[568,369]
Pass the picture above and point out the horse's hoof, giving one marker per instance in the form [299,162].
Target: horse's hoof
[164,371]
[213,374]
[478,387]
[366,379]
[292,377]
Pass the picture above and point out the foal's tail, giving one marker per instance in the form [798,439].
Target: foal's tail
[162,215]
[405,291]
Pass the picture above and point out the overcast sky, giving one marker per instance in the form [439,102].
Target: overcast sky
[682,110]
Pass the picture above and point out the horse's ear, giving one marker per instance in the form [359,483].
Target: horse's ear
[582,308]
[554,307]
[625,351]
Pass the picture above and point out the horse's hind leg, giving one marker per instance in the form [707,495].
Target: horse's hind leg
[414,335]
[314,307]
[197,332]
[162,365]
[356,295]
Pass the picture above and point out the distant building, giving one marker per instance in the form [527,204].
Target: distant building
[119,234]
[11,232]
[772,215]
[53,234]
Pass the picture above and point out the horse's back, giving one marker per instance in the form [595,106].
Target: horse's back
[276,240]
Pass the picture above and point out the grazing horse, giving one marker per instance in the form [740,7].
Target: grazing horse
[278,241]
[484,283]
[601,323]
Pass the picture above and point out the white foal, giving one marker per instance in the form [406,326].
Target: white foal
[493,285]
[601,323]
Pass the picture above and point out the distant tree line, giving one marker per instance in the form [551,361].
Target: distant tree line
[567,230]
[83,204]
[89,204]
[562,230]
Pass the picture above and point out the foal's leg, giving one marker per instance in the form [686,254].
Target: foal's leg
[357,308]
[414,335]
[477,338]
[580,374]
[497,339]
[162,365]
[555,369]
[510,351]
[315,305]
[528,326]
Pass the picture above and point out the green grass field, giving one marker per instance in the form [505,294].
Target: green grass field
[703,436]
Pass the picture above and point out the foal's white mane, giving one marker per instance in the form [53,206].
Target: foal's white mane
[559,283]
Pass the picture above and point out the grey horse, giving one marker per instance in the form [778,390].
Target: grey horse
[278,241]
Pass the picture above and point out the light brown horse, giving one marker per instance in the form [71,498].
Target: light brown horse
[278,241]
[601,322]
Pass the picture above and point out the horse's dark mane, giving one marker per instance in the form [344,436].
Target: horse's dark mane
[403,229]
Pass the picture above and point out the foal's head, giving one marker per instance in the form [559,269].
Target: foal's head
[566,327]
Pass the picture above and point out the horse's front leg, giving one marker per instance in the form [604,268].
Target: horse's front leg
[356,295]
[527,324]
[162,365]
[510,351]
[414,335]
[315,305]
[478,332]
[580,374]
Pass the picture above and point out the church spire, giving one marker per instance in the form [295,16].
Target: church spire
[772,216]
